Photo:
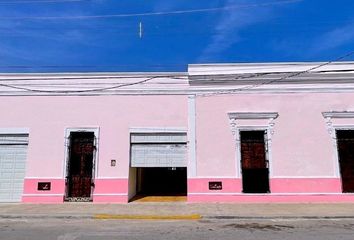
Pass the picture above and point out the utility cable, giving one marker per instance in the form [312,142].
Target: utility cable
[200,10]
[279,79]
[81,91]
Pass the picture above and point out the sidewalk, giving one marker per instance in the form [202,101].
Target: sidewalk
[177,210]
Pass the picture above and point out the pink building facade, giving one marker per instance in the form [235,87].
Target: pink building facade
[218,133]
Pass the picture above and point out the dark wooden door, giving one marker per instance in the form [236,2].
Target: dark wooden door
[80,166]
[255,172]
[345,143]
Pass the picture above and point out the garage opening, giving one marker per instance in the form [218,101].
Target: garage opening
[80,167]
[255,171]
[162,181]
[158,166]
[345,144]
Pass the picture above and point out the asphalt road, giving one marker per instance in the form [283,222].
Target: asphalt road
[44,229]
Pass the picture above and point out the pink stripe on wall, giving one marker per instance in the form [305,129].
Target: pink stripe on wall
[283,190]
[33,195]
[277,185]
[43,199]
[110,199]
[106,190]
[305,185]
[57,186]
[111,190]
[343,198]
[201,185]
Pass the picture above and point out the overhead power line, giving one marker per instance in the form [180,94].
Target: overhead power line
[86,90]
[147,79]
[200,10]
[291,75]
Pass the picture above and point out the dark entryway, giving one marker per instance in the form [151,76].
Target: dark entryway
[80,166]
[345,143]
[162,181]
[255,172]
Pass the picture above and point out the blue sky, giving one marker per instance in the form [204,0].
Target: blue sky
[62,35]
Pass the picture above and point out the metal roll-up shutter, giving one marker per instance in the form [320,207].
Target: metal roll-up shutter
[158,150]
[13,151]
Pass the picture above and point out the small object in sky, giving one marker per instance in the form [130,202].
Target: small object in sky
[140,30]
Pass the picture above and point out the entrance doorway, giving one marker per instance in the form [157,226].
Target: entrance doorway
[162,181]
[80,167]
[345,144]
[158,167]
[254,163]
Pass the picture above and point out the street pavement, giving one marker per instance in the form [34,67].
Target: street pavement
[235,229]
[177,210]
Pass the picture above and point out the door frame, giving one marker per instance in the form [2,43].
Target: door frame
[267,137]
[335,144]
[333,123]
[252,121]
[68,131]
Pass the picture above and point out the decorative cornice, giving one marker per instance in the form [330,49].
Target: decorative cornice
[250,68]
[235,116]
[338,114]
[253,115]
[276,73]
[201,79]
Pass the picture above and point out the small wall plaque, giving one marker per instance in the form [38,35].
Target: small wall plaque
[113,162]
[215,185]
[44,186]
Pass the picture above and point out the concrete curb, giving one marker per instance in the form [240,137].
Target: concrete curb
[37,216]
[104,217]
[194,217]
[276,217]
[148,217]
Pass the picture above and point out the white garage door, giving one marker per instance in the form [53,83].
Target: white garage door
[158,150]
[13,151]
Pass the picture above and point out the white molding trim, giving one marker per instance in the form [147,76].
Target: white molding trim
[269,67]
[49,178]
[237,127]
[269,194]
[157,130]
[273,177]
[14,130]
[61,178]
[338,114]
[303,177]
[332,127]
[42,194]
[213,177]
[253,115]
[112,178]
[192,142]
[110,194]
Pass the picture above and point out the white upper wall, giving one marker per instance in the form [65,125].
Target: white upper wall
[200,79]
[245,68]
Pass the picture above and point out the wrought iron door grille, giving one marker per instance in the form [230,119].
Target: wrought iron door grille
[80,167]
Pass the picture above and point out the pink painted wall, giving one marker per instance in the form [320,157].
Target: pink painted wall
[54,195]
[302,153]
[48,117]
[301,145]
